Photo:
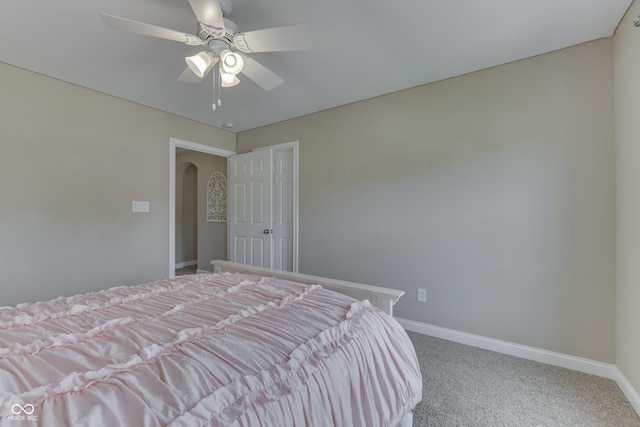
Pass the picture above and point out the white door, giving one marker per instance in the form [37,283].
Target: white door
[250,208]
[283,209]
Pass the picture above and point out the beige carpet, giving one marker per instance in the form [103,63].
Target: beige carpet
[468,386]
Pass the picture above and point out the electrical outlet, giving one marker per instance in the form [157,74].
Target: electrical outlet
[422,295]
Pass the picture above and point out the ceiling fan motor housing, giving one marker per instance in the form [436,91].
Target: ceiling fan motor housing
[212,35]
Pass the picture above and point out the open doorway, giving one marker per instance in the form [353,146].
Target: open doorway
[210,236]
[187,199]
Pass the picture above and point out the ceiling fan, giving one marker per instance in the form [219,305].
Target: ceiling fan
[223,44]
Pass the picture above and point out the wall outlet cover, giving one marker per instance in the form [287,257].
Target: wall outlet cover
[140,206]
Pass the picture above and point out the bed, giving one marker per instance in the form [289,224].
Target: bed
[241,347]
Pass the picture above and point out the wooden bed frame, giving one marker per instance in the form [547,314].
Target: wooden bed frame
[383,298]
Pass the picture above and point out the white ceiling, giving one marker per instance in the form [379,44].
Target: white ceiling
[361,48]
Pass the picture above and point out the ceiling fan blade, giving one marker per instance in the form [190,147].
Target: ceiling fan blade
[188,76]
[261,75]
[208,12]
[290,37]
[150,30]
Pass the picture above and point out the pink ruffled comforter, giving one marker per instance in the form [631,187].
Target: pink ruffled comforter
[205,350]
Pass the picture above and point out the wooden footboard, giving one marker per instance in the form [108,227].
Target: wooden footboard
[383,298]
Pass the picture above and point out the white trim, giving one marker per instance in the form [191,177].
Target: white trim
[630,393]
[179,143]
[593,367]
[175,143]
[575,363]
[199,271]
[295,146]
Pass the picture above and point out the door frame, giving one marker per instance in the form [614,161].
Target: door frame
[174,144]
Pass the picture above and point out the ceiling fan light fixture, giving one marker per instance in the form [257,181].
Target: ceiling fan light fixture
[232,63]
[200,62]
[234,81]
[228,79]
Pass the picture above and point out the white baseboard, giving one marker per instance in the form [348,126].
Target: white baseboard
[199,271]
[186,264]
[628,390]
[575,363]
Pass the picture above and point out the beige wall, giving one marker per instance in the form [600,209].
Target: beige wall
[212,236]
[73,161]
[627,127]
[494,191]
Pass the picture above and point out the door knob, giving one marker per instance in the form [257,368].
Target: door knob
[267,231]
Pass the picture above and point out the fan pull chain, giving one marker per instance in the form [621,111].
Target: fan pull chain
[217,91]
[215,87]
[219,88]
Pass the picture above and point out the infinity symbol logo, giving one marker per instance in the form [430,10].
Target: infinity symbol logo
[28,409]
